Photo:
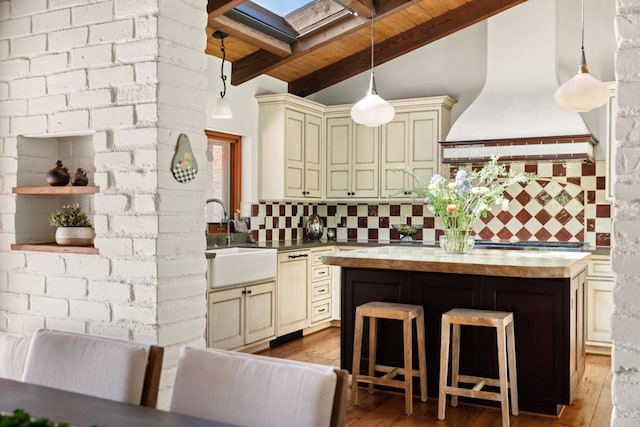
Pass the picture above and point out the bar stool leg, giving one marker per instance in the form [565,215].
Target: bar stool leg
[408,365]
[373,340]
[513,373]
[422,356]
[502,369]
[455,362]
[357,348]
[444,364]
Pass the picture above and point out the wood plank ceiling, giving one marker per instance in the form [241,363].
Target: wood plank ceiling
[342,48]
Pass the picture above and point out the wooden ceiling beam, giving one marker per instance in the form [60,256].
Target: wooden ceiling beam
[219,7]
[258,63]
[245,67]
[361,7]
[249,35]
[423,34]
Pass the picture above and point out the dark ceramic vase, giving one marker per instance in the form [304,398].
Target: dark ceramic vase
[58,176]
[79,178]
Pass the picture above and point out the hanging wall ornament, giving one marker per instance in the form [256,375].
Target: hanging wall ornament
[184,165]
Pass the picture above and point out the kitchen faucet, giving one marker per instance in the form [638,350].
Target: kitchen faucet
[229,237]
[224,218]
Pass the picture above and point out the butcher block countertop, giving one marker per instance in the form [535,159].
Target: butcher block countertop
[487,262]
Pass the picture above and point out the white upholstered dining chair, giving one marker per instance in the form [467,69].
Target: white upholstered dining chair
[103,367]
[13,354]
[252,390]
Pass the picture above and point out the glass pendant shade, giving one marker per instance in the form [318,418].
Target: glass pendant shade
[222,109]
[582,92]
[372,110]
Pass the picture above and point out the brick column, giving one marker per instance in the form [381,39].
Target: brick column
[626,224]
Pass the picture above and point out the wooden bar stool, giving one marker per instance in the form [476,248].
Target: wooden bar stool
[385,310]
[503,323]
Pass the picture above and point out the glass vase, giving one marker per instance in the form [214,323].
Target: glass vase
[457,241]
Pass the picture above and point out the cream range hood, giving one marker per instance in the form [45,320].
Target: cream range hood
[515,116]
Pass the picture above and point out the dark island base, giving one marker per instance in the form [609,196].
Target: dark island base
[548,318]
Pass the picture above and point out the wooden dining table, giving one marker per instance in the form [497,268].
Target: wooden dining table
[82,410]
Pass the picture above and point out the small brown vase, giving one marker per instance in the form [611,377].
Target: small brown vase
[79,178]
[58,176]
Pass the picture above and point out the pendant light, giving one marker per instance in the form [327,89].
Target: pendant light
[583,92]
[222,108]
[372,110]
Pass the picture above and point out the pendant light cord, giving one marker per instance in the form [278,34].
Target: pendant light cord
[373,14]
[222,76]
[582,42]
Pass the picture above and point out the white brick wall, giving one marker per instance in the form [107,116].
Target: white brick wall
[68,65]
[626,223]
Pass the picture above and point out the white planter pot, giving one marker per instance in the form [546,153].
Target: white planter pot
[74,236]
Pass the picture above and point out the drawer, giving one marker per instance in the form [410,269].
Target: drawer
[320,273]
[316,256]
[320,311]
[600,268]
[321,291]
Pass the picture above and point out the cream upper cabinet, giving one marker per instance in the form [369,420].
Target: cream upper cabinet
[291,147]
[411,140]
[352,158]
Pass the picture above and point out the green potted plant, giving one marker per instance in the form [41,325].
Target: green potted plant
[74,226]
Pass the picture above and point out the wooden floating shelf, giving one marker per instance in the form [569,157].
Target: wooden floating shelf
[54,247]
[56,191]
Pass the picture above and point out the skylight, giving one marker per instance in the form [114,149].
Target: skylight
[282,7]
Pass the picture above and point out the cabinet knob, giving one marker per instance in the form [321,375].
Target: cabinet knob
[248,292]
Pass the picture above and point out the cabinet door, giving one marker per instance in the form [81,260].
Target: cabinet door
[577,331]
[294,153]
[294,296]
[339,135]
[541,321]
[423,146]
[364,168]
[313,156]
[394,154]
[225,326]
[599,310]
[260,303]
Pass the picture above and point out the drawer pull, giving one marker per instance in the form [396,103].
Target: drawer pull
[322,310]
[321,290]
[298,256]
[321,273]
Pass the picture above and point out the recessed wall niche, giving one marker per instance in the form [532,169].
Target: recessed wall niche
[37,154]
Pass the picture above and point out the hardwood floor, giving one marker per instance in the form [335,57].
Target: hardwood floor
[591,407]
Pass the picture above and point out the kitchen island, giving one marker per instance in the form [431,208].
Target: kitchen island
[544,290]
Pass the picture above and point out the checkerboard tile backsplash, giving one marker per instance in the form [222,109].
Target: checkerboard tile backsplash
[566,203]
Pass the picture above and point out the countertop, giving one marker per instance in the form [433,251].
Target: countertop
[489,262]
[286,245]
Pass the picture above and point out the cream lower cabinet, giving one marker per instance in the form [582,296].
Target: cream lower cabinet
[294,294]
[411,140]
[241,316]
[352,158]
[321,287]
[600,282]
